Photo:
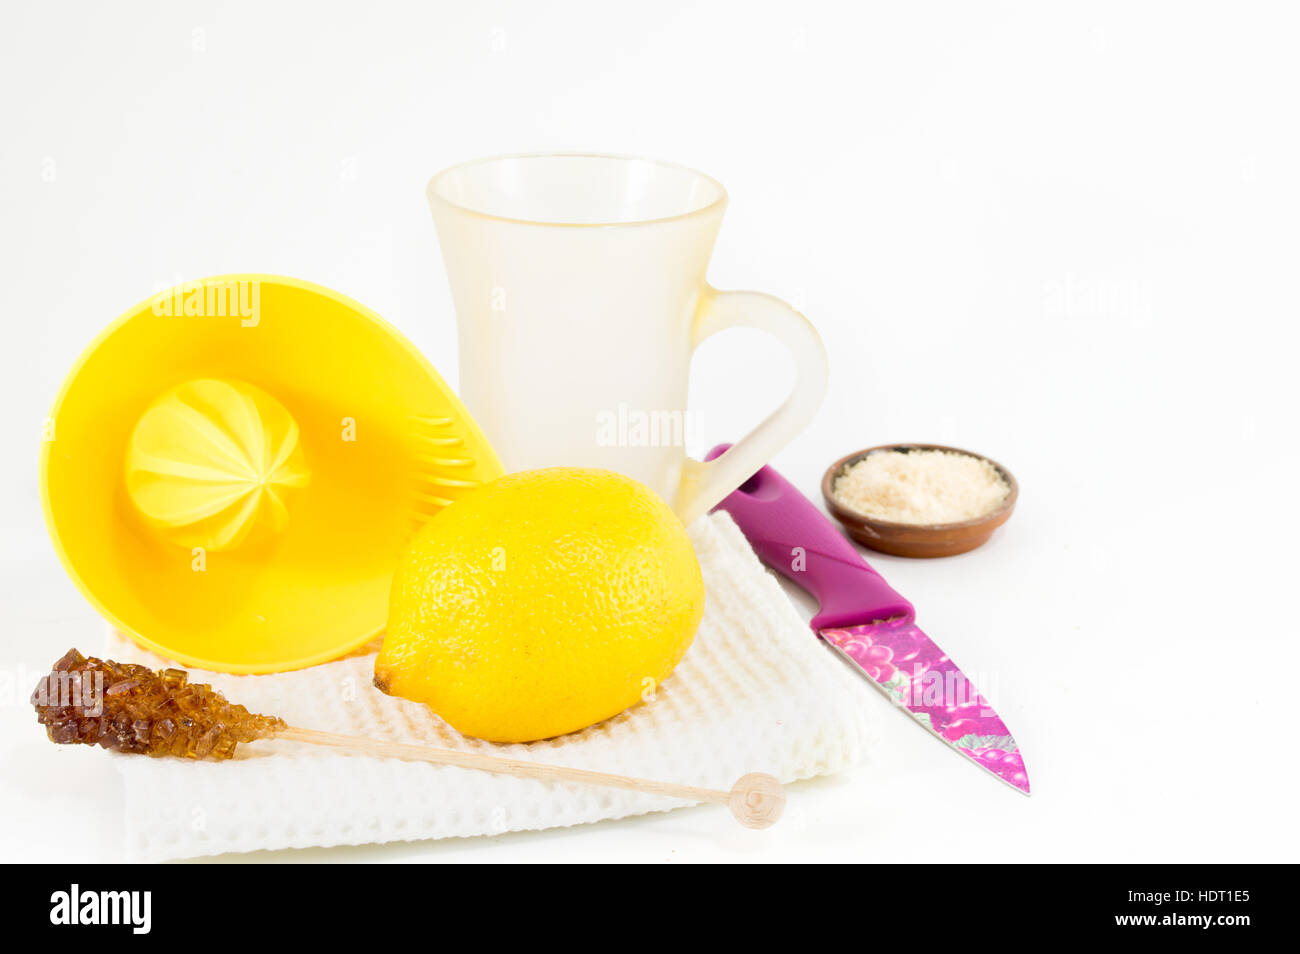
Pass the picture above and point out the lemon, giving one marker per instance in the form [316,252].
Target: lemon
[541,603]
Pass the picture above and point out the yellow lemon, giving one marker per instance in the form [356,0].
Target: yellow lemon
[541,603]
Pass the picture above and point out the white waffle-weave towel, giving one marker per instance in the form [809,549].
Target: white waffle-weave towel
[755,693]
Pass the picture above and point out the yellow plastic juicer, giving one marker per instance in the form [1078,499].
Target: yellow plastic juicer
[232,468]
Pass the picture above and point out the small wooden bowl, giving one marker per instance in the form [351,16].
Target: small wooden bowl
[910,539]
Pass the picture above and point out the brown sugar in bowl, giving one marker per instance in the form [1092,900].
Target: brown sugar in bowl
[911,539]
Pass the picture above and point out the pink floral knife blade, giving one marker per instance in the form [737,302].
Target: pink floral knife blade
[869,624]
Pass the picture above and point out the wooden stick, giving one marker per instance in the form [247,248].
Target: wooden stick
[756,799]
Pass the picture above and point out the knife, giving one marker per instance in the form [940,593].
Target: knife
[869,624]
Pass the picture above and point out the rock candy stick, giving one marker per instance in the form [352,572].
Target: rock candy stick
[134,709]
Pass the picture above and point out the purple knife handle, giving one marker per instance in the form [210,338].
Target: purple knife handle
[794,538]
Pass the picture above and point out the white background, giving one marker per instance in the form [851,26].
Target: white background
[1062,236]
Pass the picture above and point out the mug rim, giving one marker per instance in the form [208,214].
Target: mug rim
[433,195]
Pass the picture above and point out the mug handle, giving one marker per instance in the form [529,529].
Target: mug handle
[704,484]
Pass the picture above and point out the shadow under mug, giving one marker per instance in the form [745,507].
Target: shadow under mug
[580,295]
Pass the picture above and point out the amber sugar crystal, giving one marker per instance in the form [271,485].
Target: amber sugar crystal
[131,708]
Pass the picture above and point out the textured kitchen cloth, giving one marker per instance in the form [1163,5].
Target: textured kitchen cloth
[755,693]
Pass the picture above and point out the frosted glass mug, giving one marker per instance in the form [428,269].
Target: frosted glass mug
[580,295]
